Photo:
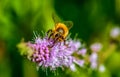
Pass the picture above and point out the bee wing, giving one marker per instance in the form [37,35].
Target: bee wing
[55,18]
[69,24]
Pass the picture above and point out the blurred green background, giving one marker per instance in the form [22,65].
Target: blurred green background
[92,20]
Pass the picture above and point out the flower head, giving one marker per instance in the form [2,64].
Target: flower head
[93,60]
[47,54]
[96,47]
[82,51]
[115,32]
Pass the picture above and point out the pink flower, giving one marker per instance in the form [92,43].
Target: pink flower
[82,52]
[96,47]
[47,54]
[93,60]
[115,32]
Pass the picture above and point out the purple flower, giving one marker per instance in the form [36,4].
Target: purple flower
[47,54]
[82,52]
[93,60]
[102,68]
[72,67]
[115,32]
[96,47]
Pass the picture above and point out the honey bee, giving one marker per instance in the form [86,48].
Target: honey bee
[60,30]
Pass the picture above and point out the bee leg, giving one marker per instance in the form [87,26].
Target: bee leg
[50,35]
[60,39]
[55,40]
[49,32]
[52,44]
[65,42]
[63,39]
